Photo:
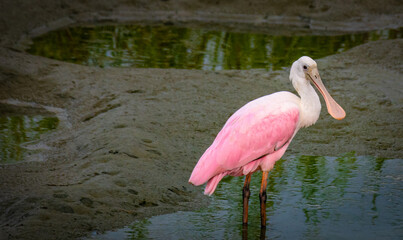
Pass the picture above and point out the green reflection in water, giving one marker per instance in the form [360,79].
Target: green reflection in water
[309,197]
[19,129]
[187,48]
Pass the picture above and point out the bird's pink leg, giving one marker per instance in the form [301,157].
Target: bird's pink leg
[246,195]
[263,199]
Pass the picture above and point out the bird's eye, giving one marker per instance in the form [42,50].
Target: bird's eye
[305,67]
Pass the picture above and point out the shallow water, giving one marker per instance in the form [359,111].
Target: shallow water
[15,130]
[309,197]
[187,48]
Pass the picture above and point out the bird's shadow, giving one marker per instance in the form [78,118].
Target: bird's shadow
[245,232]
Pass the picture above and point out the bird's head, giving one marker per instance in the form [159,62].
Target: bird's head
[303,72]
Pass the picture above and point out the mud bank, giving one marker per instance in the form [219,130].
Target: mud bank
[128,138]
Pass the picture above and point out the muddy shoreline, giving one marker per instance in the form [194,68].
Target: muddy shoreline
[129,138]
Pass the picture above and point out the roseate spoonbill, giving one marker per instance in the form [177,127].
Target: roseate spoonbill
[257,135]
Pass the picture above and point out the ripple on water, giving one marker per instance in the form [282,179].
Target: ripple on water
[309,197]
[190,48]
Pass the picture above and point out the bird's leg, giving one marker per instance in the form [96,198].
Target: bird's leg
[246,195]
[263,199]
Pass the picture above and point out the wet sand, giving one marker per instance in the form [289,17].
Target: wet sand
[128,138]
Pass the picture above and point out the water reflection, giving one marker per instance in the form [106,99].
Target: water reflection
[18,129]
[311,197]
[186,48]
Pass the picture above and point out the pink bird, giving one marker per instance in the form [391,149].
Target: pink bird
[258,134]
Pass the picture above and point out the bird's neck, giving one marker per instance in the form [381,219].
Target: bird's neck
[310,106]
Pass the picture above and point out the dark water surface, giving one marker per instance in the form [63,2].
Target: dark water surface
[15,130]
[187,48]
[309,197]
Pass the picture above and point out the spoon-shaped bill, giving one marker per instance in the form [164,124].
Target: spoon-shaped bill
[333,107]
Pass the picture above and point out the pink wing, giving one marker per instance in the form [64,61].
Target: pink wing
[257,129]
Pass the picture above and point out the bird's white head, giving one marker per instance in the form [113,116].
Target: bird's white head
[300,67]
[303,72]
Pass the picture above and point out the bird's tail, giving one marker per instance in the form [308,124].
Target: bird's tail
[205,169]
[212,184]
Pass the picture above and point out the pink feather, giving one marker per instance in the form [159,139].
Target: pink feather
[252,139]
